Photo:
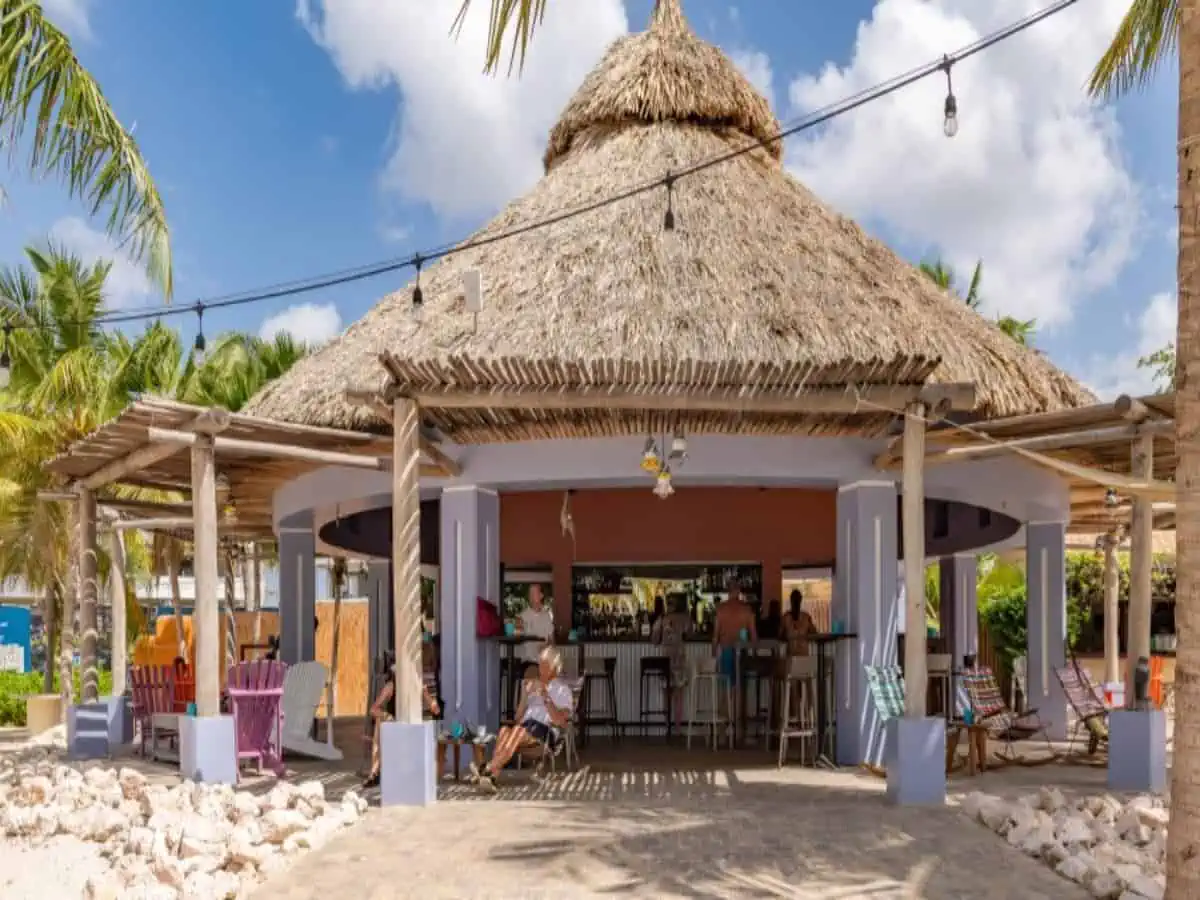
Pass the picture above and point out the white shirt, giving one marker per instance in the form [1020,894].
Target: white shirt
[559,693]
[535,624]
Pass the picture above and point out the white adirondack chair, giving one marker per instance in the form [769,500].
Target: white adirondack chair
[303,686]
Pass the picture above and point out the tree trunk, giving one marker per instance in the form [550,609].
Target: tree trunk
[256,588]
[66,651]
[338,572]
[51,604]
[1183,844]
[173,554]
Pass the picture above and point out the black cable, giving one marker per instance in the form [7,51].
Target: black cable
[820,117]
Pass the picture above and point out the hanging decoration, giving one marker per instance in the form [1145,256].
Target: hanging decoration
[660,464]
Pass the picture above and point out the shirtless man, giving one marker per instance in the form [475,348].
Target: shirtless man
[732,616]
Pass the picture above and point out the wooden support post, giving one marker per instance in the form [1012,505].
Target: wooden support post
[913,509]
[406,558]
[1112,610]
[206,624]
[116,586]
[89,675]
[1140,562]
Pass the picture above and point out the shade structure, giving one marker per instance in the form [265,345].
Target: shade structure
[758,285]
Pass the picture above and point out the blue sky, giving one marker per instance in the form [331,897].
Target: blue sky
[291,140]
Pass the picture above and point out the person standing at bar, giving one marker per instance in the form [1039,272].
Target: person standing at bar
[733,617]
[537,625]
[798,625]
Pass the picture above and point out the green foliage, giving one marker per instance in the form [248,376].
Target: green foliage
[16,686]
[943,276]
[1162,364]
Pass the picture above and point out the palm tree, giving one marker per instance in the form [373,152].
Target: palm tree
[522,16]
[51,107]
[943,276]
[1149,34]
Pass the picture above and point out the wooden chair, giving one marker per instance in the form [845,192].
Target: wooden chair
[989,709]
[255,691]
[185,686]
[153,694]
[1091,713]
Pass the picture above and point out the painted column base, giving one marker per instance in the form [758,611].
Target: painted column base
[408,764]
[915,754]
[1137,750]
[208,749]
[96,730]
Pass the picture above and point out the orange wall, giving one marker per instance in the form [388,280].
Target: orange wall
[774,526]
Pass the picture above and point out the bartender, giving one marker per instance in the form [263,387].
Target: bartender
[537,621]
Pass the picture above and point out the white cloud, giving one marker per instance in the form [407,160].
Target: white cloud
[310,323]
[395,234]
[756,67]
[1033,184]
[1153,329]
[465,142]
[70,15]
[127,284]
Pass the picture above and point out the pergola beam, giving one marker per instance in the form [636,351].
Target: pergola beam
[449,467]
[1065,441]
[279,451]
[864,399]
[211,421]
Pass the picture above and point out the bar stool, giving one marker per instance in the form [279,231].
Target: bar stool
[599,672]
[705,669]
[757,671]
[654,680]
[937,670]
[798,720]
[511,671]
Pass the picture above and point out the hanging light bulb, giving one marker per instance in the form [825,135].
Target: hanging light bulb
[5,359]
[950,123]
[418,299]
[650,459]
[678,448]
[198,348]
[662,485]
[1110,498]
[669,217]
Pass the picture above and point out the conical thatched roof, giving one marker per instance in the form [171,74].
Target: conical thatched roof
[758,276]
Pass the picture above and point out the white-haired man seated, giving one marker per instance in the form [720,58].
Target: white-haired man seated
[543,714]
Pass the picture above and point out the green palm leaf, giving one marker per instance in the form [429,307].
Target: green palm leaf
[1146,38]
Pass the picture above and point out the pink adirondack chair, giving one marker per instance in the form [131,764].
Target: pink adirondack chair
[153,690]
[255,692]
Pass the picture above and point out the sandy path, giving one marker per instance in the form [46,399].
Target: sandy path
[55,870]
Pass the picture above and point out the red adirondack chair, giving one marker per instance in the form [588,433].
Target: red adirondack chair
[185,686]
[153,690]
[255,691]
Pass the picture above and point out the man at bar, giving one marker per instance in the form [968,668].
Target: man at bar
[734,616]
[537,621]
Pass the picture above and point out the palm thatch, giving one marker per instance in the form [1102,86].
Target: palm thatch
[759,283]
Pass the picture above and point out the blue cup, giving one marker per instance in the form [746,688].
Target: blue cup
[510,629]
[191,709]
[572,635]
[930,631]
[969,716]
[427,637]
[743,635]
[837,626]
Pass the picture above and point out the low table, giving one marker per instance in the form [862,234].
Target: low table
[165,724]
[478,754]
[977,736]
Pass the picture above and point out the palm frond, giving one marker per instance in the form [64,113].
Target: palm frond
[1146,38]
[76,134]
[521,16]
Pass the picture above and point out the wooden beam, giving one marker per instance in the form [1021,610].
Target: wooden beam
[118,640]
[449,467]
[1112,611]
[89,677]
[206,618]
[1131,409]
[279,451]
[913,526]
[210,421]
[406,559]
[1141,563]
[867,399]
[1064,441]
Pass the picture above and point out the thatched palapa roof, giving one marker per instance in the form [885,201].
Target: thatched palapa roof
[760,284]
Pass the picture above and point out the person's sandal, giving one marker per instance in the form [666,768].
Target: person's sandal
[371,781]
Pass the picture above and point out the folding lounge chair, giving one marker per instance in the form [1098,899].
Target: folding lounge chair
[1091,714]
[303,685]
[990,710]
[886,684]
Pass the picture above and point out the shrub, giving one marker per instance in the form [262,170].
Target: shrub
[16,686]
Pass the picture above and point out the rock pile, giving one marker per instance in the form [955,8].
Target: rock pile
[1113,849]
[188,841]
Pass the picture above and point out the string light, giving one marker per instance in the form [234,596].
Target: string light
[198,348]
[669,217]
[418,299]
[1110,498]
[679,447]
[950,123]
[5,359]
[650,459]
[819,117]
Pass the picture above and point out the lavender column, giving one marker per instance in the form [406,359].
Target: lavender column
[470,569]
[865,600]
[958,609]
[297,589]
[1046,622]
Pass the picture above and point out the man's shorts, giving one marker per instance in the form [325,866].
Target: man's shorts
[727,663]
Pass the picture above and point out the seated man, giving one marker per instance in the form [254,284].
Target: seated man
[384,710]
[544,712]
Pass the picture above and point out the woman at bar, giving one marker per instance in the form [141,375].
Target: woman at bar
[384,709]
[797,625]
[671,631]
